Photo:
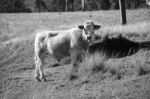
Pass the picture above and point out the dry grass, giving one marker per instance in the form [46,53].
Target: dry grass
[141,62]
[121,68]
[123,78]
[116,78]
[137,31]
[92,64]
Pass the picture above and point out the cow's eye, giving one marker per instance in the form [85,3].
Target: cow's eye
[87,26]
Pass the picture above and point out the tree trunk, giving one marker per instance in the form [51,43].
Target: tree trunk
[83,5]
[123,12]
[72,5]
[66,5]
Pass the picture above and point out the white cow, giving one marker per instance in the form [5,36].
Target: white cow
[148,2]
[61,44]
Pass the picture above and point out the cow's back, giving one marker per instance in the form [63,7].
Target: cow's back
[59,45]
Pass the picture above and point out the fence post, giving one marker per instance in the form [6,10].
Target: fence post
[83,5]
[72,5]
[122,12]
[66,5]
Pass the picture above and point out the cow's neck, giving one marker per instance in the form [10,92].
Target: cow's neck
[84,42]
[84,37]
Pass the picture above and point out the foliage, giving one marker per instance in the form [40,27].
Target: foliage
[13,6]
[59,5]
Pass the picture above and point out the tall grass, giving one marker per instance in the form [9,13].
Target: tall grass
[119,68]
[92,64]
[17,56]
[141,62]
[138,30]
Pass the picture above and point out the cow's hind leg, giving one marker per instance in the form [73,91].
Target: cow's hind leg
[39,75]
[42,76]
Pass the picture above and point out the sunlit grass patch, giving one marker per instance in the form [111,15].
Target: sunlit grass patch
[117,68]
[141,62]
[137,30]
[130,66]
[93,64]
[124,78]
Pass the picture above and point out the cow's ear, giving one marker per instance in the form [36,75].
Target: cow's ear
[81,26]
[96,27]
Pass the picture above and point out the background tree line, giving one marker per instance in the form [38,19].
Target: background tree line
[9,6]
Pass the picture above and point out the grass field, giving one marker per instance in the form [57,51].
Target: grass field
[124,78]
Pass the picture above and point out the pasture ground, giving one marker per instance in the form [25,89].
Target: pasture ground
[124,78]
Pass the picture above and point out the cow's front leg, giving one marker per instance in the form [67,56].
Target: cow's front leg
[74,56]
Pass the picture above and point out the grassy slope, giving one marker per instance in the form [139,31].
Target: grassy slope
[17,65]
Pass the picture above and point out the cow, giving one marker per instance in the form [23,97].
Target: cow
[117,47]
[61,44]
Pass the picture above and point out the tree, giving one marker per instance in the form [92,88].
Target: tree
[114,4]
[102,4]
[40,4]
[13,6]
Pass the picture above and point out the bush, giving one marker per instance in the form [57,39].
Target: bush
[9,6]
[92,64]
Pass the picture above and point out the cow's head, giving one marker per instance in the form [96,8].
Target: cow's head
[88,29]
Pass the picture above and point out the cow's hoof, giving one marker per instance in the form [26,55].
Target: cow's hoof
[37,78]
[73,77]
[44,79]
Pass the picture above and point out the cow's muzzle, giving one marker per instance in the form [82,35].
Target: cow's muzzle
[89,37]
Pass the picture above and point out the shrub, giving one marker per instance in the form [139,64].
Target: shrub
[92,64]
